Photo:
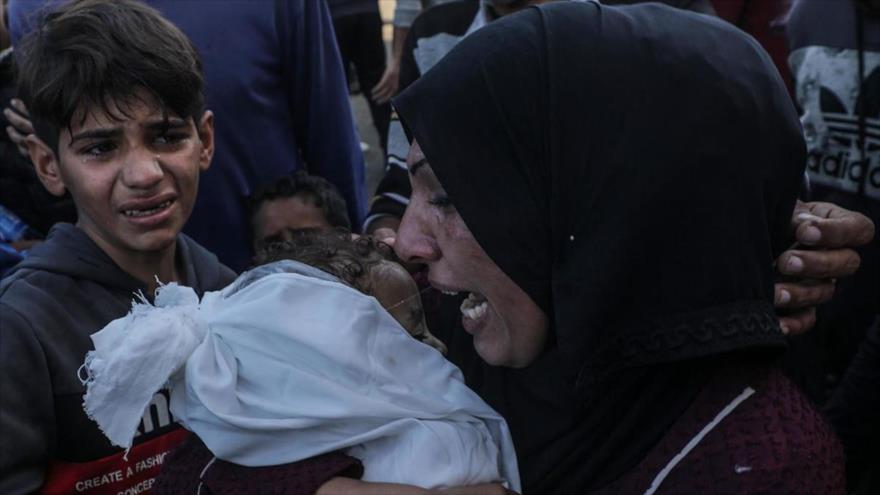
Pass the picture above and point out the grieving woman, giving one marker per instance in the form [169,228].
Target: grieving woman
[610,187]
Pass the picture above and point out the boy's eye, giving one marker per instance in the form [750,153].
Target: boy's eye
[99,149]
[170,138]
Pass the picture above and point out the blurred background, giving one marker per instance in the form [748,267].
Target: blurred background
[373,152]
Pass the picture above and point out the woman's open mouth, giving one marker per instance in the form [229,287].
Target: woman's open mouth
[475,306]
[474,313]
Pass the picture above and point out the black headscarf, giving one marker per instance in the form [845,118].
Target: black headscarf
[634,170]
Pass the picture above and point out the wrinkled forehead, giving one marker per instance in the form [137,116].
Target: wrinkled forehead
[141,106]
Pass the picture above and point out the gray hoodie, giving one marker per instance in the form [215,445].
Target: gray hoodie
[50,304]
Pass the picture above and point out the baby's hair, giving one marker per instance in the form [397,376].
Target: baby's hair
[333,251]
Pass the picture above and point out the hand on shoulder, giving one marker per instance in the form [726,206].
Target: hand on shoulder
[826,236]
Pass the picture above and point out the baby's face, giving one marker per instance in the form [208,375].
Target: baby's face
[398,293]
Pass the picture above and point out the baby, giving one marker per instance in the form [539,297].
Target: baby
[309,353]
[363,263]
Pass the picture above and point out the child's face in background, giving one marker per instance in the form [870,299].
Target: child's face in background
[276,218]
[398,293]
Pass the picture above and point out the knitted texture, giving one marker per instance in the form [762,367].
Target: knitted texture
[774,442]
[185,469]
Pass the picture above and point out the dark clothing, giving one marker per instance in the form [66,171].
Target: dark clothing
[701,6]
[192,468]
[20,189]
[853,411]
[342,8]
[50,304]
[841,123]
[763,19]
[620,211]
[359,37]
[433,33]
[835,59]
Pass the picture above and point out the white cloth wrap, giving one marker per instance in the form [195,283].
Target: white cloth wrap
[291,366]
[134,357]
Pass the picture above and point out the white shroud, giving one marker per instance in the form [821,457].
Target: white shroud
[284,366]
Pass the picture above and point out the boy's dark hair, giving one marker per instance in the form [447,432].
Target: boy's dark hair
[333,251]
[324,195]
[96,54]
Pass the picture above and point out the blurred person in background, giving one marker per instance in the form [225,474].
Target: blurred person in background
[765,21]
[27,210]
[358,28]
[405,12]
[294,203]
[835,61]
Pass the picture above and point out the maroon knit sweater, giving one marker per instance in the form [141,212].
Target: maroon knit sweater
[191,464]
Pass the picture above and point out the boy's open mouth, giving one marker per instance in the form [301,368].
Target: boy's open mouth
[139,210]
[150,211]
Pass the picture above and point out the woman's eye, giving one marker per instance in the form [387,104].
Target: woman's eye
[441,201]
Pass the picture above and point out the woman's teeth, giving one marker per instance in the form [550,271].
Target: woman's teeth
[474,307]
[143,213]
[450,292]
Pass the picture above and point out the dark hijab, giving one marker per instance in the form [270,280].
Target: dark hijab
[634,170]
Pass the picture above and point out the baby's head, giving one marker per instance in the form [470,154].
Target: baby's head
[363,263]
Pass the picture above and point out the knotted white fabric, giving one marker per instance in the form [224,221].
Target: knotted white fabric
[284,366]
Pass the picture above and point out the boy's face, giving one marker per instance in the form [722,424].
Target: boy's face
[134,181]
[398,293]
[276,218]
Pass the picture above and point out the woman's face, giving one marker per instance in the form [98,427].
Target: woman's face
[509,329]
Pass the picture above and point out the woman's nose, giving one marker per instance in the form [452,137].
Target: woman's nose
[414,244]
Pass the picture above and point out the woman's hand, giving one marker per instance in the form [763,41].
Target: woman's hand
[825,236]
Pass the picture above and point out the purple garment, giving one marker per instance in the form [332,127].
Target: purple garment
[192,464]
[773,441]
[274,80]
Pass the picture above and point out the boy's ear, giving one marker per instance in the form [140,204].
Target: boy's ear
[205,128]
[46,164]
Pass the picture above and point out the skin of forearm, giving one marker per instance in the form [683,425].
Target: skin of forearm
[349,486]
[397,41]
